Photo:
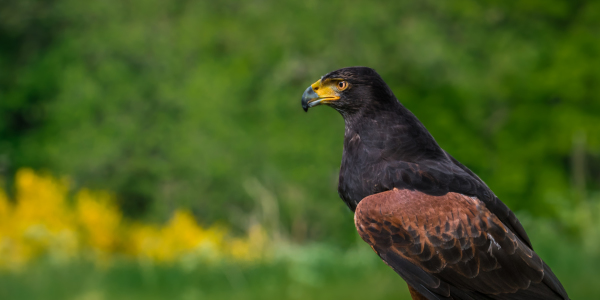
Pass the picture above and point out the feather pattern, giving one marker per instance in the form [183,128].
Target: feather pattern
[450,247]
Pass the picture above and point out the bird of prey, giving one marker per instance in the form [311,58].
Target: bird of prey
[431,219]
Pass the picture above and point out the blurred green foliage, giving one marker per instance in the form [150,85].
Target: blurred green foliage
[315,271]
[197,103]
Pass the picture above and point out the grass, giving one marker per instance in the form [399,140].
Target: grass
[314,271]
[320,272]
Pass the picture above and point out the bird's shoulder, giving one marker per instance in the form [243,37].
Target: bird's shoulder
[369,168]
[448,175]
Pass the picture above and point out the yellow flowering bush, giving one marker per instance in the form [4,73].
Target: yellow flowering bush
[41,221]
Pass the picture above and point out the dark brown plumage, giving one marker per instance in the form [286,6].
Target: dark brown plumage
[425,214]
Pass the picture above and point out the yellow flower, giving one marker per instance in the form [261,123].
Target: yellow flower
[41,222]
[99,220]
[252,248]
[181,236]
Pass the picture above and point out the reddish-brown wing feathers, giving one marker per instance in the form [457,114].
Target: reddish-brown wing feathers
[444,245]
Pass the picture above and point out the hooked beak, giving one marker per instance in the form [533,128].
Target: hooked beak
[318,93]
[309,98]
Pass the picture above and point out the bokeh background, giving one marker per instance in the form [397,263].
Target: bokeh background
[153,149]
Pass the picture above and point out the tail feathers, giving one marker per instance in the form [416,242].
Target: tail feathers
[553,283]
[548,289]
[459,294]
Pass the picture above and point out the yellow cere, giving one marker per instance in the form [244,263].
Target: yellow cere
[40,221]
[326,90]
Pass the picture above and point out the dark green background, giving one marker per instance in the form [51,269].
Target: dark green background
[196,104]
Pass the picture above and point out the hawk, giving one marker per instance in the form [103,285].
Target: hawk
[426,215]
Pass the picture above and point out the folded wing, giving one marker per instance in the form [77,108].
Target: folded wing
[451,247]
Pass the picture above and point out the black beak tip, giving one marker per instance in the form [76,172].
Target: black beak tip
[304,103]
[309,94]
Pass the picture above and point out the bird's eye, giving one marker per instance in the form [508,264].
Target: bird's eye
[342,85]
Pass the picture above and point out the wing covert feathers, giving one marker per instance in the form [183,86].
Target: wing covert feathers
[452,247]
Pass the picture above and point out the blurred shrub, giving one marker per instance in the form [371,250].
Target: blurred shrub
[40,221]
[177,104]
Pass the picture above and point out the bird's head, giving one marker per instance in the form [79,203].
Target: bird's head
[347,90]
